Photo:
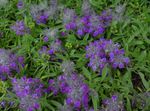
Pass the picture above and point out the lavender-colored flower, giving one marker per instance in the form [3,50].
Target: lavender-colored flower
[102,52]
[73,86]
[113,104]
[28,90]
[42,12]
[20,28]
[89,23]
[20,4]
[9,63]
[106,17]
[43,50]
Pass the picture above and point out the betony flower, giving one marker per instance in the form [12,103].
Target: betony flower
[9,63]
[42,12]
[113,104]
[20,28]
[20,4]
[105,52]
[73,86]
[88,23]
[28,90]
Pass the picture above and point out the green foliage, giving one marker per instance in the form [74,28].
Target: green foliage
[132,33]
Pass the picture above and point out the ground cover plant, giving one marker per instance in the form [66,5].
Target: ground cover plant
[74,55]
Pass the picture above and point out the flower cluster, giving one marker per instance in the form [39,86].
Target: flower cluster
[9,63]
[20,4]
[112,104]
[51,36]
[43,11]
[54,47]
[28,90]
[102,52]
[72,85]
[20,28]
[89,23]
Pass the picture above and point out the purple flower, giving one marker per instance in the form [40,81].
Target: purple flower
[45,39]
[113,104]
[8,63]
[72,85]
[42,12]
[89,23]
[28,90]
[80,32]
[20,28]
[41,19]
[104,52]
[20,4]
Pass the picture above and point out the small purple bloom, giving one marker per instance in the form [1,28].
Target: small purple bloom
[20,4]
[45,39]
[20,28]
[28,90]
[8,63]
[72,85]
[104,52]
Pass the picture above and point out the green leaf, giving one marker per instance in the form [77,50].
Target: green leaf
[86,73]
[104,73]
[145,83]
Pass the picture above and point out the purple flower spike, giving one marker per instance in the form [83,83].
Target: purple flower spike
[28,90]
[89,23]
[45,39]
[104,52]
[9,64]
[113,104]
[20,28]
[42,12]
[20,4]
[72,85]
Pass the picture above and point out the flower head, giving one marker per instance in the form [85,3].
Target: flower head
[104,52]
[113,104]
[9,63]
[42,12]
[20,4]
[20,28]
[73,86]
[28,90]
